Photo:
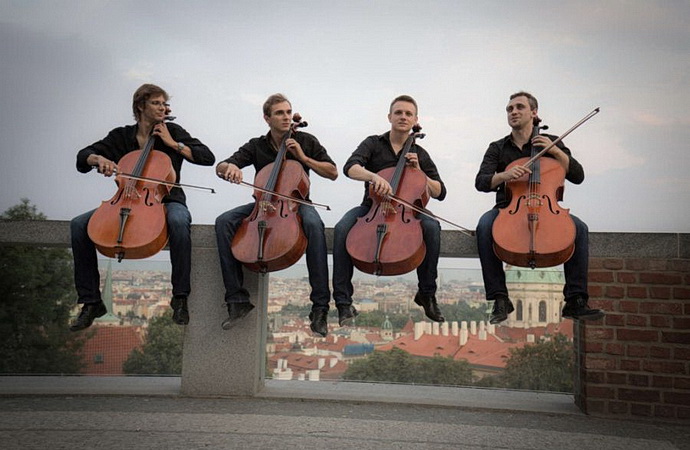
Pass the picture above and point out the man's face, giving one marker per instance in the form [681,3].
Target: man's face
[403,116]
[519,113]
[280,118]
[155,109]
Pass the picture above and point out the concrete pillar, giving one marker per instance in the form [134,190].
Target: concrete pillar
[216,362]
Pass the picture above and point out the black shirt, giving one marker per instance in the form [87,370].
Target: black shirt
[259,152]
[123,140]
[376,153]
[503,152]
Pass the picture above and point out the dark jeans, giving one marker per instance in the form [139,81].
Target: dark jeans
[343,268]
[86,277]
[575,269]
[317,254]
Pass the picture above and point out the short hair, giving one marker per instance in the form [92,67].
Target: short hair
[273,100]
[141,96]
[533,104]
[404,98]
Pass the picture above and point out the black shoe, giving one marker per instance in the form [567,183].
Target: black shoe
[319,322]
[236,311]
[577,309]
[89,312]
[180,312]
[431,309]
[502,307]
[346,314]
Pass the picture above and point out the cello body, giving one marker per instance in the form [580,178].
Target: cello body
[388,240]
[271,238]
[533,230]
[132,224]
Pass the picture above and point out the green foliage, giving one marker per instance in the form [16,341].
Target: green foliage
[398,366]
[37,296]
[162,351]
[462,311]
[376,319]
[544,366]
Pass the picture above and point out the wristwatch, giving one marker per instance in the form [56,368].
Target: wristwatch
[180,146]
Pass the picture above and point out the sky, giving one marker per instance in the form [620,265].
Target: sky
[69,68]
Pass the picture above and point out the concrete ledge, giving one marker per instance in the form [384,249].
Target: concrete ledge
[457,397]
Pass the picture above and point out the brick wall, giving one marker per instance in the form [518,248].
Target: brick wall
[636,361]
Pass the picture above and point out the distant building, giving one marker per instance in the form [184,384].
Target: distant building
[537,295]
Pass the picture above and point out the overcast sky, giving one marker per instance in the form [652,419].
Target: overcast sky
[68,70]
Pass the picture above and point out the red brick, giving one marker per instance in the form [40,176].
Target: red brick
[615,349]
[659,381]
[637,409]
[637,265]
[677,398]
[626,277]
[592,376]
[628,306]
[658,265]
[599,392]
[659,292]
[639,395]
[592,362]
[661,308]
[683,413]
[638,380]
[616,378]
[633,320]
[681,353]
[615,291]
[676,338]
[595,291]
[605,334]
[638,351]
[595,406]
[682,383]
[660,321]
[681,323]
[664,411]
[594,347]
[659,278]
[637,335]
[660,352]
[613,264]
[596,263]
[606,305]
[630,365]
[663,367]
[681,293]
[679,265]
[614,320]
[600,277]
[637,292]
[618,407]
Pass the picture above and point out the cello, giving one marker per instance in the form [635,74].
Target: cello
[132,224]
[271,238]
[388,239]
[533,230]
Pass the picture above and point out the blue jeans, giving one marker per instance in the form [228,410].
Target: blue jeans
[317,255]
[86,276]
[343,268]
[575,269]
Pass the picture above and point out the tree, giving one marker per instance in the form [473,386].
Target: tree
[462,311]
[376,318]
[398,366]
[37,296]
[544,366]
[162,351]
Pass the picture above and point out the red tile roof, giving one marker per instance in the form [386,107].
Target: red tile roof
[109,348]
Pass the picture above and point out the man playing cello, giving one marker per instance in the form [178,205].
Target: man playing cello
[493,175]
[260,152]
[374,154]
[150,108]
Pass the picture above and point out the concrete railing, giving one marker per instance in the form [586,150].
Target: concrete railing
[228,363]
